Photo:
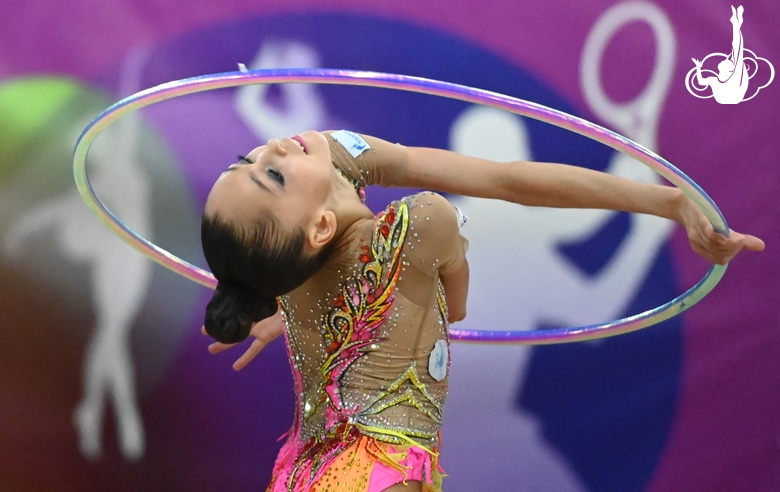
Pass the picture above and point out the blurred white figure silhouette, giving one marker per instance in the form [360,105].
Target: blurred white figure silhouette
[303,106]
[637,118]
[119,275]
[519,280]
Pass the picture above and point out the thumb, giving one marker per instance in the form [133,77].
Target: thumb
[753,243]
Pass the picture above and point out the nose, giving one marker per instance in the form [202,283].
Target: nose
[275,146]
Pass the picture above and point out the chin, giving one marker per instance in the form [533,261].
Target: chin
[315,139]
[318,146]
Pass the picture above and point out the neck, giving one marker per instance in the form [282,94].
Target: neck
[352,217]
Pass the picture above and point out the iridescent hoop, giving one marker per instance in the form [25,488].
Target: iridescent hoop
[425,86]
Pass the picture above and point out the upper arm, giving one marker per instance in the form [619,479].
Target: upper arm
[395,165]
[438,249]
[381,163]
[450,172]
[434,235]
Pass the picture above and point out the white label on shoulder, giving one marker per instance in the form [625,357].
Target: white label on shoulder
[462,219]
[437,361]
[351,141]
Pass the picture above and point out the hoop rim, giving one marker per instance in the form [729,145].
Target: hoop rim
[514,105]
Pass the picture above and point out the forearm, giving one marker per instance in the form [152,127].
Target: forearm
[536,184]
[565,186]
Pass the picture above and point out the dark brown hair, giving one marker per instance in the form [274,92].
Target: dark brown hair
[253,266]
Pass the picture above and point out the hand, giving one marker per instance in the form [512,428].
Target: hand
[708,243]
[265,332]
[696,62]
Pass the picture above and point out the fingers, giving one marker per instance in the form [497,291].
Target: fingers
[218,347]
[269,328]
[721,249]
[257,346]
[746,241]
[264,332]
[710,244]
[713,254]
[717,248]
[754,244]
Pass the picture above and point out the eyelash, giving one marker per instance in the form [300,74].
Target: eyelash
[273,172]
[277,175]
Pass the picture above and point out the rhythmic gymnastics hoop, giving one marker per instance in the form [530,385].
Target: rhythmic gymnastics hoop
[425,86]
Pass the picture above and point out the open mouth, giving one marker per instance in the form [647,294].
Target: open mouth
[301,142]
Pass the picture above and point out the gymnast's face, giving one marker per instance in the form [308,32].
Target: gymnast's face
[291,178]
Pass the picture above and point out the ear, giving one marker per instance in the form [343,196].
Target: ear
[322,229]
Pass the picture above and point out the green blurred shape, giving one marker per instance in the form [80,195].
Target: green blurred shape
[26,106]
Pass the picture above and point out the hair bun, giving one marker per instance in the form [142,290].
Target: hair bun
[231,312]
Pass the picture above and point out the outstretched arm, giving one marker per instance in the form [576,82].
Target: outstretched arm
[553,185]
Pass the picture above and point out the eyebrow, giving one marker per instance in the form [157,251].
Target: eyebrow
[259,183]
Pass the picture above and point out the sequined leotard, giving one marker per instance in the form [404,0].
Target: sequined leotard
[368,344]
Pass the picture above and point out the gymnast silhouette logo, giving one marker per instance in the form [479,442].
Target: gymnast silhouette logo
[735,70]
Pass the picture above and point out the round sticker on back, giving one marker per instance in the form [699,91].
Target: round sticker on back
[437,361]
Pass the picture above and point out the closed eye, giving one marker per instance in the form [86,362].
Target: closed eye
[276,175]
[242,159]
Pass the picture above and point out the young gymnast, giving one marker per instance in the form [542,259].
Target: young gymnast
[363,296]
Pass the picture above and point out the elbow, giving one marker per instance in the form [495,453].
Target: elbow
[456,314]
[456,290]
